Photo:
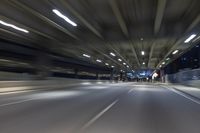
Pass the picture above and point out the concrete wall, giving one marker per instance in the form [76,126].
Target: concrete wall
[51,83]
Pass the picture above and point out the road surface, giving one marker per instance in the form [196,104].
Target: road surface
[100,108]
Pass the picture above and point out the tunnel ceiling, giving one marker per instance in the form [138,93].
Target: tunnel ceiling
[123,27]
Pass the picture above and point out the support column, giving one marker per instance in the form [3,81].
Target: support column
[76,73]
[42,65]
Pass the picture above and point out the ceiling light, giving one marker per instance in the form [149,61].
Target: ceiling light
[127,66]
[98,60]
[112,54]
[190,38]
[124,63]
[160,66]
[112,66]
[141,39]
[119,60]
[143,63]
[13,26]
[175,51]
[106,64]
[142,52]
[85,55]
[168,59]
[163,63]
[64,17]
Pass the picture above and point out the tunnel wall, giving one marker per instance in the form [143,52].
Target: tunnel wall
[187,77]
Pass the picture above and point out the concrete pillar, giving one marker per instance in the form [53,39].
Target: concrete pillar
[111,74]
[42,65]
[76,72]
[97,76]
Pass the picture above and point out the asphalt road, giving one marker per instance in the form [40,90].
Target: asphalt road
[100,108]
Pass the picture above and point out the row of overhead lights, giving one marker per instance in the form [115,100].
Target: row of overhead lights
[176,51]
[74,24]
[57,12]
[97,60]
[120,60]
[143,53]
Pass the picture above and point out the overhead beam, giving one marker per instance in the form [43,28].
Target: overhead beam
[42,17]
[134,53]
[17,36]
[119,17]
[82,19]
[116,51]
[159,15]
[150,54]
[194,23]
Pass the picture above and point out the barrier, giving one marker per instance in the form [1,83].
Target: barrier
[188,77]
[51,83]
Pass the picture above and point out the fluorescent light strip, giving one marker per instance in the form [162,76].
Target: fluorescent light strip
[124,63]
[127,66]
[163,63]
[13,26]
[176,51]
[98,60]
[112,66]
[168,59]
[85,55]
[190,38]
[119,60]
[64,17]
[142,52]
[112,54]
[106,64]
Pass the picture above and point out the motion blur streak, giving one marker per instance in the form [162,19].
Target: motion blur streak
[146,108]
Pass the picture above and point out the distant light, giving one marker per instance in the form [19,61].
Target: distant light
[112,66]
[143,63]
[160,66]
[119,60]
[190,38]
[106,64]
[141,39]
[163,63]
[85,55]
[64,17]
[154,75]
[124,63]
[142,52]
[13,26]
[112,54]
[98,60]
[127,66]
[168,59]
[176,51]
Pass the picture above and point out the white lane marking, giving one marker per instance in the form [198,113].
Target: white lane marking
[17,102]
[184,95]
[98,115]
[130,90]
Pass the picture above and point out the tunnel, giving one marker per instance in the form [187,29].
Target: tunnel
[99,66]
